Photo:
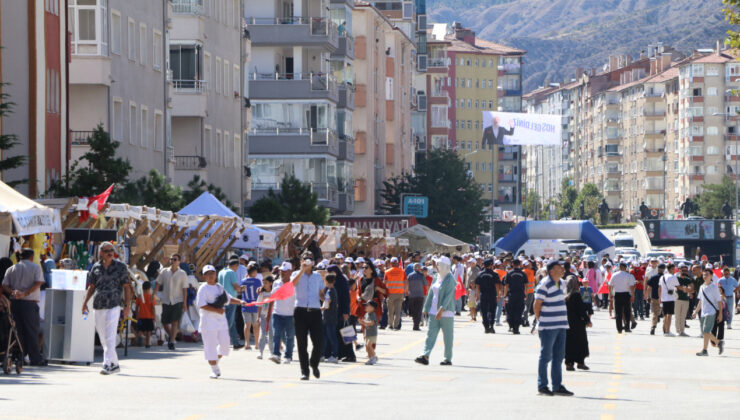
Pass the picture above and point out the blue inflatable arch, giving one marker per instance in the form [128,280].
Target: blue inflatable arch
[568,229]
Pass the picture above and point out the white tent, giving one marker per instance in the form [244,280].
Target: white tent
[208,205]
[25,215]
[423,238]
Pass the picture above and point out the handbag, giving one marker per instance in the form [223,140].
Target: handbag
[349,334]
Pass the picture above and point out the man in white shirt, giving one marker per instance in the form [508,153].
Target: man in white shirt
[709,305]
[282,318]
[622,286]
[173,283]
[667,287]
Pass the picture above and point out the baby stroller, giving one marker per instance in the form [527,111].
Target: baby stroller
[11,351]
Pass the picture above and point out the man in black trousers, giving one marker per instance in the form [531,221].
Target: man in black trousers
[307,315]
[487,285]
[515,283]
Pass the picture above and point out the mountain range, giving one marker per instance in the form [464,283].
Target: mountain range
[563,35]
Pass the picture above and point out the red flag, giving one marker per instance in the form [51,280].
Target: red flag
[604,289]
[283,292]
[459,289]
[96,203]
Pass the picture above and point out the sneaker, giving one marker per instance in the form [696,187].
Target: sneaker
[215,372]
[563,392]
[633,325]
[545,391]
[422,360]
[702,353]
[171,346]
[582,366]
[721,346]
[213,375]
[652,331]
[114,369]
[445,363]
[669,334]
[359,346]
[332,360]
[683,334]
[370,361]
[316,372]
[105,370]
[375,359]
[569,368]
[275,358]
[287,361]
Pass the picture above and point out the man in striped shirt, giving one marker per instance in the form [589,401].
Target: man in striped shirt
[552,317]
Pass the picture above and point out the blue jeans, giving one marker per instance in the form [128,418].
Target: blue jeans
[552,349]
[638,306]
[331,340]
[283,329]
[230,313]
[499,309]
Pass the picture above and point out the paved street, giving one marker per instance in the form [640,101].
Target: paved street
[493,375]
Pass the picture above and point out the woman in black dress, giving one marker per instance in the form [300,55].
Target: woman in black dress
[576,340]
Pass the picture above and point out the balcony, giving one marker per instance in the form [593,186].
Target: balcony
[654,96]
[506,177]
[506,156]
[656,113]
[293,86]
[189,99]
[654,133]
[90,70]
[346,47]
[294,31]
[190,163]
[346,96]
[510,68]
[80,138]
[437,62]
[512,92]
[327,193]
[346,148]
[293,140]
[346,201]
[188,7]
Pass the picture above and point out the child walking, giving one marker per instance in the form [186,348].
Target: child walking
[264,313]
[329,314]
[145,314]
[370,322]
[214,329]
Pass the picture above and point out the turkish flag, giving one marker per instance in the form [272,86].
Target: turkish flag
[96,204]
[283,292]
[459,289]
[604,289]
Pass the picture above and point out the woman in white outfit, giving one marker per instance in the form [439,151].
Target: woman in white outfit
[214,329]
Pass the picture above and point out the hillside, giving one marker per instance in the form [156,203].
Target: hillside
[562,35]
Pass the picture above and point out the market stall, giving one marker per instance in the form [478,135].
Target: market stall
[425,239]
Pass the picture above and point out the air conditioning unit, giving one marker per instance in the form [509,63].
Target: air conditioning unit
[408,10]
[421,101]
[421,63]
[421,23]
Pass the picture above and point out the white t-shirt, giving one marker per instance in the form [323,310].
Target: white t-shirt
[666,283]
[284,307]
[435,301]
[711,292]
[622,281]
[210,321]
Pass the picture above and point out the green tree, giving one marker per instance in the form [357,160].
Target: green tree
[153,190]
[294,203]
[714,197]
[732,15]
[8,141]
[534,208]
[97,169]
[198,186]
[566,199]
[591,197]
[391,193]
[455,199]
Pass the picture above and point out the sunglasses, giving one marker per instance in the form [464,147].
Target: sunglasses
[107,251]
[174,259]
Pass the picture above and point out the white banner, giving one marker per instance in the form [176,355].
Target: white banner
[514,128]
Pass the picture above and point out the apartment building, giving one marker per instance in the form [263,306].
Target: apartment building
[467,76]
[302,92]
[33,66]
[208,48]
[383,72]
[118,78]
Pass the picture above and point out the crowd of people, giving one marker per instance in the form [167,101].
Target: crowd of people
[329,300]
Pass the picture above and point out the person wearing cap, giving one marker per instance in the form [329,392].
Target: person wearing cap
[398,288]
[307,316]
[241,271]
[487,288]
[283,324]
[227,279]
[552,316]
[515,284]
[417,290]
[652,289]
[22,282]
[440,304]
[622,288]
[214,327]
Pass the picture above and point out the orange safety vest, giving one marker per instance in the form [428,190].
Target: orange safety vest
[530,280]
[394,279]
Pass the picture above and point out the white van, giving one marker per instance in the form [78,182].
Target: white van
[623,240]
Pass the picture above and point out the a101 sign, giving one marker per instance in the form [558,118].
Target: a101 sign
[416,205]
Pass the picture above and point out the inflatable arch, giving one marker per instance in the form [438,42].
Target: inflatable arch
[568,229]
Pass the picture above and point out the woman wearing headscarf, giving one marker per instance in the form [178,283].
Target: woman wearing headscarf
[346,353]
[576,340]
[440,304]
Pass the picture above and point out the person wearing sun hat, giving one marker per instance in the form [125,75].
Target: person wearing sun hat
[440,303]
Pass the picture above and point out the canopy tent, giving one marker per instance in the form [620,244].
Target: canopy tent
[569,229]
[25,215]
[208,205]
[423,238]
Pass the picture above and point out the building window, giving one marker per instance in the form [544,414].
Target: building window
[132,127]
[186,66]
[237,151]
[115,32]
[470,103]
[439,116]
[143,44]
[157,50]
[236,83]
[131,40]
[219,148]
[208,146]
[207,71]
[158,130]
[144,124]
[88,25]
[227,67]
[227,149]
[117,122]
[712,71]
[219,75]
[470,125]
